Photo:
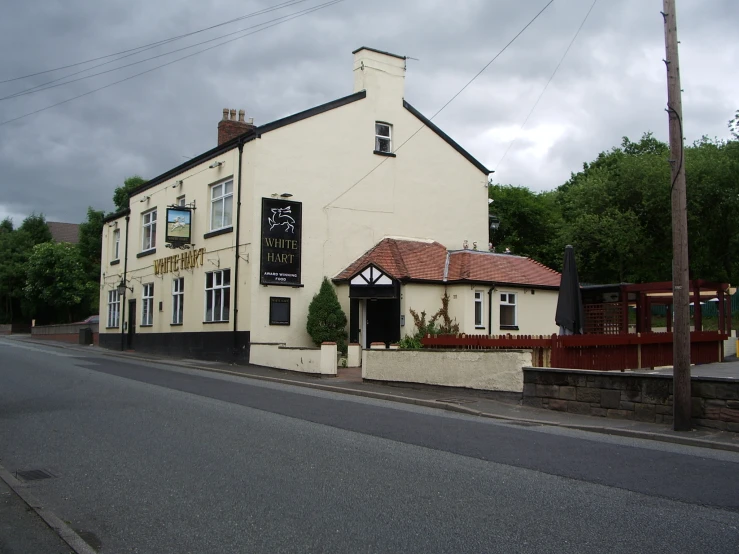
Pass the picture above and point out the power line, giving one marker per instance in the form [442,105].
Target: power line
[525,121]
[448,102]
[39,89]
[294,16]
[157,43]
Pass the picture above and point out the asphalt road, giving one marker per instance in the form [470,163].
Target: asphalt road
[151,458]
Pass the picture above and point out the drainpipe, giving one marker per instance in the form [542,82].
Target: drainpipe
[490,310]
[125,270]
[236,254]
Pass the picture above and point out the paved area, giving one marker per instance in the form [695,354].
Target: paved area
[470,402]
[725,370]
[22,531]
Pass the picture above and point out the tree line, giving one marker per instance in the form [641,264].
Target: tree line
[616,212]
[48,281]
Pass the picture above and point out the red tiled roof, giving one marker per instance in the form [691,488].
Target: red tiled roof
[413,260]
[64,232]
[402,259]
[468,265]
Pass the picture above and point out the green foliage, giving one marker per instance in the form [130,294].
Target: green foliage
[90,249]
[734,126]
[326,320]
[448,326]
[6,226]
[55,277]
[35,227]
[122,194]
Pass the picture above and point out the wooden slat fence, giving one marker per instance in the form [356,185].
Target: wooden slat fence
[596,352]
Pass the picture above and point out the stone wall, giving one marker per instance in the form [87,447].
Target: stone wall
[65,332]
[639,397]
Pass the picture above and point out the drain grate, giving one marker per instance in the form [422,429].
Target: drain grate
[33,475]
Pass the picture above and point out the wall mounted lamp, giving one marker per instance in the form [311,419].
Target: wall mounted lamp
[114,224]
[145,199]
[215,164]
[285,195]
[177,184]
[122,287]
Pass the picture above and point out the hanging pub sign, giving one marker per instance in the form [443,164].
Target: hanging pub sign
[280,242]
[179,226]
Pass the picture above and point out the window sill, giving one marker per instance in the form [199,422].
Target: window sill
[115,327]
[146,253]
[115,262]
[218,232]
[509,327]
[379,153]
[175,324]
[480,327]
[214,322]
[147,325]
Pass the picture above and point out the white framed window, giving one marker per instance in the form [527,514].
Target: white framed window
[114,308]
[221,205]
[383,137]
[180,200]
[508,316]
[149,230]
[178,300]
[479,309]
[116,243]
[217,295]
[147,307]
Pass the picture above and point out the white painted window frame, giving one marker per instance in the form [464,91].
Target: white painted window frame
[388,137]
[511,299]
[217,279]
[116,243]
[149,230]
[147,305]
[178,300]
[114,308]
[223,198]
[479,301]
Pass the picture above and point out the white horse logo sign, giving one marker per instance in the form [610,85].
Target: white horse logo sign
[281,242]
[280,217]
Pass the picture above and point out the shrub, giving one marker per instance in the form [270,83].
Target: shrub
[448,326]
[326,319]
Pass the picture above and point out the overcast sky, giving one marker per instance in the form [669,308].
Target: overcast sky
[611,84]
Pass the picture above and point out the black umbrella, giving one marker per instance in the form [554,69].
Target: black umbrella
[570,314]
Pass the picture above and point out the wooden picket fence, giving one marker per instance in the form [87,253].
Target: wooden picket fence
[596,352]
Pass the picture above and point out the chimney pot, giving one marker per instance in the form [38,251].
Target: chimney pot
[233,115]
[225,114]
[241,115]
[251,121]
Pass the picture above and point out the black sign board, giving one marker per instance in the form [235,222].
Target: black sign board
[281,242]
[179,226]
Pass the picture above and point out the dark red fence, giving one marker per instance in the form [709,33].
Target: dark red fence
[598,352]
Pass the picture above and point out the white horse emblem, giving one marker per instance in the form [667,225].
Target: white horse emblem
[178,223]
[280,218]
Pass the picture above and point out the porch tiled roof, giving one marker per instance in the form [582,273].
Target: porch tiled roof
[413,260]
[402,259]
[64,232]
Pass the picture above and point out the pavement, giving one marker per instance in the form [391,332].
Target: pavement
[466,401]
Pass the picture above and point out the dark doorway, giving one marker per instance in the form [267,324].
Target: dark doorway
[131,323]
[383,321]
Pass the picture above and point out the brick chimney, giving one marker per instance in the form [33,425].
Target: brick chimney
[229,127]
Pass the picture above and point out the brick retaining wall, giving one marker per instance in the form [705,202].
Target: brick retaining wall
[640,397]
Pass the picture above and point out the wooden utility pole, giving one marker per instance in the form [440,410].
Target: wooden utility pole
[680,278]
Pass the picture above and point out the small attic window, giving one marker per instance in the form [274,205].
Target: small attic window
[383,138]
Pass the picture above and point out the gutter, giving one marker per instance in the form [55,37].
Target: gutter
[236,253]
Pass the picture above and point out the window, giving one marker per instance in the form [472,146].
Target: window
[116,243]
[147,308]
[149,233]
[478,309]
[178,299]
[114,308]
[279,311]
[383,137]
[180,200]
[217,295]
[221,204]
[507,310]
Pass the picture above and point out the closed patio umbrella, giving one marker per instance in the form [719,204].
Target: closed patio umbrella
[570,314]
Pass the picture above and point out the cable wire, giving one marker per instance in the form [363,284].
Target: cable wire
[157,43]
[448,102]
[298,14]
[533,108]
[39,89]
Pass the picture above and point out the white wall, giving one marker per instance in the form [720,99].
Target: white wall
[498,370]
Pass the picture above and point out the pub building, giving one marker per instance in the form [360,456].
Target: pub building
[228,249]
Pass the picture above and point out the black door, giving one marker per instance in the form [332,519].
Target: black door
[131,323]
[383,321]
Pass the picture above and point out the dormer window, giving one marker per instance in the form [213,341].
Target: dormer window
[383,138]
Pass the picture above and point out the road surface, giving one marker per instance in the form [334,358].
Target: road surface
[153,458]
